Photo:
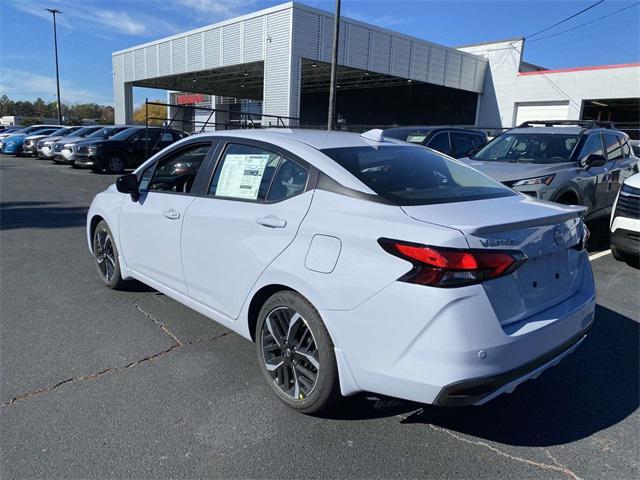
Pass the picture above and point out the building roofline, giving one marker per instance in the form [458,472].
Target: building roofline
[490,42]
[580,69]
[286,6]
[229,21]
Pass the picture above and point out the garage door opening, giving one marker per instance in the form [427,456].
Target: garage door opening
[368,99]
[533,111]
[624,112]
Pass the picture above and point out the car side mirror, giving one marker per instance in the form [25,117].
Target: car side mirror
[129,184]
[595,160]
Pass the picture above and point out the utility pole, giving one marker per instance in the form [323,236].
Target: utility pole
[334,69]
[55,45]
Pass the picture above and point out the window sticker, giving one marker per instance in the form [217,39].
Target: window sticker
[416,138]
[241,175]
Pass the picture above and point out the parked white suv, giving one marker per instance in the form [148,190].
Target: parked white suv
[625,221]
[355,263]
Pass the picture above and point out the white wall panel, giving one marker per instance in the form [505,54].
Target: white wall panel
[212,48]
[151,53]
[437,64]
[453,70]
[253,44]
[179,48]
[232,44]
[195,59]
[277,64]
[164,59]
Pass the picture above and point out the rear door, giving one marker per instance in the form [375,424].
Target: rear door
[462,143]
[254,205]
[150,227]
[440,142]
[628,161]
[595,181]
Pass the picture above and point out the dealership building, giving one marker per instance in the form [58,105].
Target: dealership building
[276,64]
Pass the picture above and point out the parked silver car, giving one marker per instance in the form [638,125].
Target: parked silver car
[569,162]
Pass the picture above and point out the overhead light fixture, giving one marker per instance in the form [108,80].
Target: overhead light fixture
[246,74]
[600,104]
[314,64]
[193,79]
[409,80]
[242,85]
[366,73]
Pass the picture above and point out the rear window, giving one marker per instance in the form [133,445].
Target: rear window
[408,175]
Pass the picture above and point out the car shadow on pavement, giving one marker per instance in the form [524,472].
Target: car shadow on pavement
[594,388]
[15,215]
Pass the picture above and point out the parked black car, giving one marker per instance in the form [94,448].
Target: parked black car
[455,142]
[127,149]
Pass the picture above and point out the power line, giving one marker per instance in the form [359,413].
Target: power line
[567,19]
[587,23]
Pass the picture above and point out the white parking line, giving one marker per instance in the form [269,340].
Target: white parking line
[595,256]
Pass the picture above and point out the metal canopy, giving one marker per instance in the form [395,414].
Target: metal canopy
[316,77]
[239,81]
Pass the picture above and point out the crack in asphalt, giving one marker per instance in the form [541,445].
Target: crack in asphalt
[558,467]
[93,376]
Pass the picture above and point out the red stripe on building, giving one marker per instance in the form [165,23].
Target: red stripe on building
[580,69]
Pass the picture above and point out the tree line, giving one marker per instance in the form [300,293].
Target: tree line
[73,114]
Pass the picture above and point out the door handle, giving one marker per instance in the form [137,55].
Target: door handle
[172,214]
[271,221]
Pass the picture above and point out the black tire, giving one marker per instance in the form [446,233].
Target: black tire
[325,390]
[618,255]
[106,256]
[115,162]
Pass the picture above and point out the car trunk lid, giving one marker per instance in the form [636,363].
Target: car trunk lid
[548,234]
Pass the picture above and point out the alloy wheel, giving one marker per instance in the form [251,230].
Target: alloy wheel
[105,255]
[116,164]
[290,353]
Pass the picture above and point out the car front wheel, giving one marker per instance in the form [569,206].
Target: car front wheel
[296,354]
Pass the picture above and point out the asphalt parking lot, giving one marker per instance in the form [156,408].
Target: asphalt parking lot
[102,384]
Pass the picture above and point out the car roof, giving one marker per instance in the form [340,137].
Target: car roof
[432,128]
[318,139]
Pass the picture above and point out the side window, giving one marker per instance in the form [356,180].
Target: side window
[166,137]
[461,143]
[612,145]
[440,142]
[626,149]
[593,145]
[177,171]
[244,173]
[290,180]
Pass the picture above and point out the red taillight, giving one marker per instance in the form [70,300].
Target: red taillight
[446,267]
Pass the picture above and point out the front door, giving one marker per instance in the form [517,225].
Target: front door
[150,227]
[255,204]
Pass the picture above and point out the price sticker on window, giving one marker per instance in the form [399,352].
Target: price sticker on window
[241,175]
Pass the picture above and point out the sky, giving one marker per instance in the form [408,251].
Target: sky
[90,30]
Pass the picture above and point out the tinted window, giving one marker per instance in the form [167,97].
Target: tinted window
[440,142]
[409,175]
[626,149]
[244,173]
[592,146]
[529,148]
[463,143]
[407,135]
[612,146]
[124,134]
[177,171]
[290,180]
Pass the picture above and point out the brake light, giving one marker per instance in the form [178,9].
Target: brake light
[447,267]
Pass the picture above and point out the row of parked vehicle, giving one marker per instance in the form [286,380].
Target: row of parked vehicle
[111,148]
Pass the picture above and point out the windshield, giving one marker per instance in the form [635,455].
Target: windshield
[62,132]
[408,175]
[529,148]
[83,132]
[124,134]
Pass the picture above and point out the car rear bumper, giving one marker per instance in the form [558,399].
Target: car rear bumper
[433,347]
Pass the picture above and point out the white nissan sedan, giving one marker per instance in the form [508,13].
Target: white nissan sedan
[355,263]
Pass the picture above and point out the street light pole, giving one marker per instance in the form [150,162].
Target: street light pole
[55,45]
[334,69]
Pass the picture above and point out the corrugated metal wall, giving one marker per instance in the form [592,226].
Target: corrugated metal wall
[282,36]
